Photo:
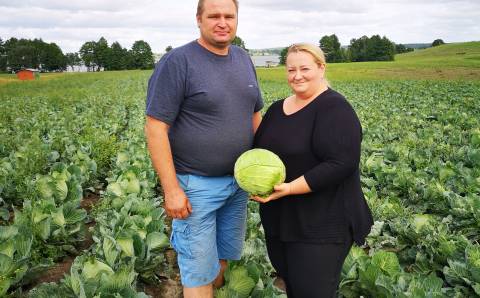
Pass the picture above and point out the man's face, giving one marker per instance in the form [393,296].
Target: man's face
[218,23]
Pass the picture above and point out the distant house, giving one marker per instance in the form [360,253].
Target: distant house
[77,68]
[265,60]
[28,74]
[270,63]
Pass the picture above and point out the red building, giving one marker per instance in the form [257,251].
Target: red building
[27,74]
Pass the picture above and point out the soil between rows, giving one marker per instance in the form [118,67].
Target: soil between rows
[169,287]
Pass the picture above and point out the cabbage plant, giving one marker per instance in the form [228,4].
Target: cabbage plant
[258,170]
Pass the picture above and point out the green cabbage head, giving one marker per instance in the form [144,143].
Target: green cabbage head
[258,170]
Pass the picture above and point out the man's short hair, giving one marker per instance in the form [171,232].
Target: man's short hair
[201,2]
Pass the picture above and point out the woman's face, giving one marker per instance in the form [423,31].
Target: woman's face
[303,74]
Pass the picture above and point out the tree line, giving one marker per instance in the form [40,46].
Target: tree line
[374,48]
[16,54]
[98,55]
[23,53]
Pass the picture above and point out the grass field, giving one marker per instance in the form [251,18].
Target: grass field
[456,61]
[71,141]
[447,62]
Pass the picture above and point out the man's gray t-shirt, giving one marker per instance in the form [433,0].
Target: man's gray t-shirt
[208,100]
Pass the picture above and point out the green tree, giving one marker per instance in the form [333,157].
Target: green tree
[331,47]
[39,53]
[358,49]
[3,56]
[26,53]
[375,48]
[400,48]
[52,58]
[87,53]
[102,53]
[437,42]
[168,49]
[15,51]
[388,50]
[380,49]
[239,42]
[345,55]
[141,55]
[118,57]
[283,56]
[21,54]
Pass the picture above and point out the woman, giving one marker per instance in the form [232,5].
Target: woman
[311,221]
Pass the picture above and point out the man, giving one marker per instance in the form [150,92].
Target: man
[203,107]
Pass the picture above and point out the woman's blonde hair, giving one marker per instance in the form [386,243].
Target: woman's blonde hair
[316,52]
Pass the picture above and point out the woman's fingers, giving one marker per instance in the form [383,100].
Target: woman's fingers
[271,197]
[259,199]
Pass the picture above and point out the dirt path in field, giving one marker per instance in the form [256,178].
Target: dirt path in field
[52,274]
[170,286]
[60,269]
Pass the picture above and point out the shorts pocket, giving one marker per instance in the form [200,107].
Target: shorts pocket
[184,180]
[180,239]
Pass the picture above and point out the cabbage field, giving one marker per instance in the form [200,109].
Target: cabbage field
[81,212]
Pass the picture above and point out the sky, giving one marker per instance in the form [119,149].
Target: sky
[262,23]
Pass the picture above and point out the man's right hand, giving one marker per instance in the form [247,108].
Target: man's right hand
[177,204]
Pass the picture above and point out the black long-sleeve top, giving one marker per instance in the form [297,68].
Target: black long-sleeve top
[321,142]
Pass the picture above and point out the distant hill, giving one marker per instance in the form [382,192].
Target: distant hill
[453,61]
[277,50]
[470,48]
[415,46]
[465,54]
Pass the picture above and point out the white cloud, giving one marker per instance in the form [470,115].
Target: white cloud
[348,6]
[84,5]
[262,23]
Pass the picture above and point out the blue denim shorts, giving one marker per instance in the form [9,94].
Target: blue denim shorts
[214,230]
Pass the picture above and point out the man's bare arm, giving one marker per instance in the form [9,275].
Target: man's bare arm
[257,118]
[177,204]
